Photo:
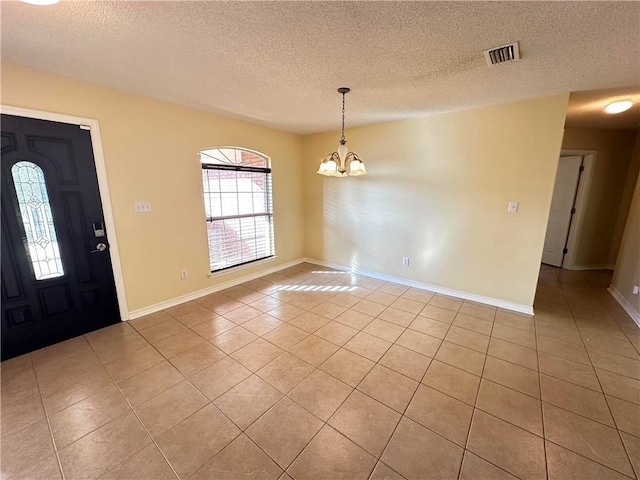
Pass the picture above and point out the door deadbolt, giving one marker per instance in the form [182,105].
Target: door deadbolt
[100,247]
[98,229]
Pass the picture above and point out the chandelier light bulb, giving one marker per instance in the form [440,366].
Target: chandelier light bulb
[331,167]
[356,167]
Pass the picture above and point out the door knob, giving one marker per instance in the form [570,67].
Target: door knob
[100,247]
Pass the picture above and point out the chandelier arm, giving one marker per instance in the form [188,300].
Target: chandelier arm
[332,156]
[336,158]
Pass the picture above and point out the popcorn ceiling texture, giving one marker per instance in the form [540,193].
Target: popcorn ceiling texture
[279,63]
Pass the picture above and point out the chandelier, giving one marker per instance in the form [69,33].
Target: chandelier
[342,163]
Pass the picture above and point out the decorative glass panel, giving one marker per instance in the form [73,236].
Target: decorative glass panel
[233,156]
[35,211]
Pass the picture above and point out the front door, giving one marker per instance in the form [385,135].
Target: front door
[57,280]
[562,203]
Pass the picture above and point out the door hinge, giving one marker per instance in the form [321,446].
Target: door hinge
[581,169]
[85,127]
[564,250]
[573,211]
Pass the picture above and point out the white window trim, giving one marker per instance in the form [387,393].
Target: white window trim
[243,266]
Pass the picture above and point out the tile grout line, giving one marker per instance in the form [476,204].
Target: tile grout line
[377,459]
[53,440]
[544,435]
[264,413]
[402,414]
[342,403]
[353,389]
[610,412]
[153,440]
[209,401]
[476,408]
[47,416]
[242,431]
[393,343]
[475,403]
[624,447]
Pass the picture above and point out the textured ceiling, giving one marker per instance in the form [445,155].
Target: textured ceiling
[586,109]
[279,63]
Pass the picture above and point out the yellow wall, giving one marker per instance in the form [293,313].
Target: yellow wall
[150,150]
[627,272]
[606,208]
[437,192]
[625,199]
[446,210]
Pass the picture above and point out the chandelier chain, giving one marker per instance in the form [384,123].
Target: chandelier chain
[342,140]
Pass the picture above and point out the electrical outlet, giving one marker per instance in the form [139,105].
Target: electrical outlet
[636,289]
[142,207]
[293,246]
[184,274]
[405,261]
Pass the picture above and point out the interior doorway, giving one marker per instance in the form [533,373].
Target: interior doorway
[570,192]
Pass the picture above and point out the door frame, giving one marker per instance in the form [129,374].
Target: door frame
[582,195]
[103,188]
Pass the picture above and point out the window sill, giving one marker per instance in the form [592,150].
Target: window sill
[239,268]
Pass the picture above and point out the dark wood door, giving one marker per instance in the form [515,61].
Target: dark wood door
[57,280]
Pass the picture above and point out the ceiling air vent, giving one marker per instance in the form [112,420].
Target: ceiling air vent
[505,53]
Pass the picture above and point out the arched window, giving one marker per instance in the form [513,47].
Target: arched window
[238,205]
[35,212]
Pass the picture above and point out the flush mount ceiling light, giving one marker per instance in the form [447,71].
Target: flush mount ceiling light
[342,163]
[619,106]
[40,2]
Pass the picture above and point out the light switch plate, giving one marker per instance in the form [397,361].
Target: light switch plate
[513,207]
[142,207]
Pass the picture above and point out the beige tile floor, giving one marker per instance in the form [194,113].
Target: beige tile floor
[326,375]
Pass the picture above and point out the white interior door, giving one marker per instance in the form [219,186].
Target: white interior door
[564,192]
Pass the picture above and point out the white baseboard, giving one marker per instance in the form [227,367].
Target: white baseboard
[495,302]
[633,313]
[206,291]
[595,266]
